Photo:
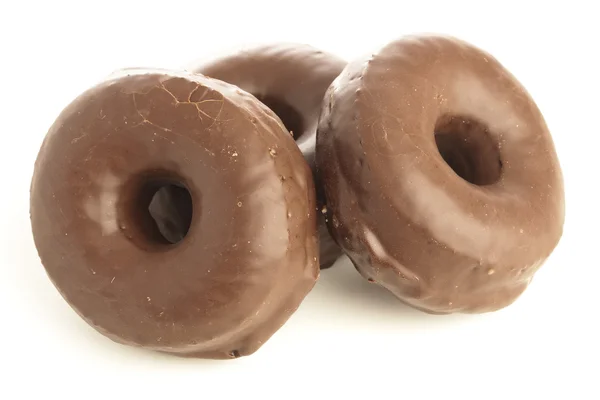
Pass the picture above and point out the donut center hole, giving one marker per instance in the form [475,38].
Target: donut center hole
[158,211]
[155,210]
[170,209]
[469,149]
[290,117]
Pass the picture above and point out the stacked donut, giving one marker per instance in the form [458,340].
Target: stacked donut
[190,212]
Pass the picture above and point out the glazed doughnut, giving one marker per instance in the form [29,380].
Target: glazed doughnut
[291,79]
[441,177]
[242,251]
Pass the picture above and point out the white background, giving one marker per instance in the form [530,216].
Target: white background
[348,339]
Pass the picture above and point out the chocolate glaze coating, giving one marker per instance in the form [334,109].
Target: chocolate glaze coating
[251,253]
[442,180]
[291,79]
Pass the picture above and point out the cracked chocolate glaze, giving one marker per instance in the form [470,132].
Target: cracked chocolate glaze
[250,254]
[291,79]
[442,179]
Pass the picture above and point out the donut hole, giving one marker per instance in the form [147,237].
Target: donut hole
[467,146]
[290,117]
[159,212]
[171,210]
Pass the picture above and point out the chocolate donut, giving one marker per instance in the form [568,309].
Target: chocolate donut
[248,253]
[442,180]
[291,80]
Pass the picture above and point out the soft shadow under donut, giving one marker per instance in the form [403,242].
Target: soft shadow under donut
[355,300]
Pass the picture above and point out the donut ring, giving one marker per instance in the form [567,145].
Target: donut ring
[441,177]
[291,79]
[250,254]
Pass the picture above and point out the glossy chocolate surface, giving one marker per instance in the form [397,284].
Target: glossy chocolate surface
[291,79]
[442,180]
[247,254]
